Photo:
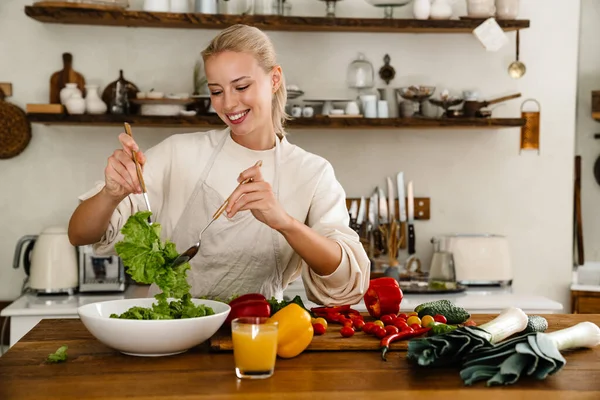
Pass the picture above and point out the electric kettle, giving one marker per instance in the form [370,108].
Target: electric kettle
[49,260]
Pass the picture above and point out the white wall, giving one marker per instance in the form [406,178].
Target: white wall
[476,179]
[587,146]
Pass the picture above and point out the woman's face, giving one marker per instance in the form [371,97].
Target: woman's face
[241,92]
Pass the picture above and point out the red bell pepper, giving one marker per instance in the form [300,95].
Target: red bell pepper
[249,305]
[383,297]
[246,297]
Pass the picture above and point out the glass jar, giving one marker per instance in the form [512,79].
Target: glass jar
[360,73]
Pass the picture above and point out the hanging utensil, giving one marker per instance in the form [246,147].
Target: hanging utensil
[517,69]
[192,251]
[530,132]
[139,173]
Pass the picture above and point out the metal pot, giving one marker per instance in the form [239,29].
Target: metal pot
[471,107]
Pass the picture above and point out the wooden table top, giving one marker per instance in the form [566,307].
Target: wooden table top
[94,371]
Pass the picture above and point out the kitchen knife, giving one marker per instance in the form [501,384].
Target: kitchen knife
[391,197]
[361,211]
[383,209]
[411,219]
[353,209]
[383,220]
[401,208]
[360,219]
[372,224]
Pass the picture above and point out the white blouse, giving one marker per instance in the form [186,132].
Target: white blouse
[308,191]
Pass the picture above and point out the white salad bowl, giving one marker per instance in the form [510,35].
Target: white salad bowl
[150,337]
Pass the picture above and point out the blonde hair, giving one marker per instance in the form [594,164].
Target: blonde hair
[243,38]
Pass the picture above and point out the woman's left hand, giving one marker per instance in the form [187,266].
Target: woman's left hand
[258,197]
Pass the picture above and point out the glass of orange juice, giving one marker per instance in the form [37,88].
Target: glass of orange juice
[254,347]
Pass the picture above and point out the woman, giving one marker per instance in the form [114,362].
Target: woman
[291,220]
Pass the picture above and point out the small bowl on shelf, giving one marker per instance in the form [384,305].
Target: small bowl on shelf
[294,94]
[446,103]
[417,94]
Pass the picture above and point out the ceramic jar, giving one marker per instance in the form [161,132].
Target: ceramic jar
[69,90]
[93,102]
[440,9]
[75,104]
[421,9]
[507,9]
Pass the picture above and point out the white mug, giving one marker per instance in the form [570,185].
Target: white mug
[370,108]
[382,109]
[507,9]
[480,8]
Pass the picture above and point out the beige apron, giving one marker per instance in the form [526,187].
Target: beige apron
[238,255]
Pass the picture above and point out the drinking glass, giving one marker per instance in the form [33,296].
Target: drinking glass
[254,347]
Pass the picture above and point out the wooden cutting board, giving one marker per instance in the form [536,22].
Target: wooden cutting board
[332,340]
[59,79]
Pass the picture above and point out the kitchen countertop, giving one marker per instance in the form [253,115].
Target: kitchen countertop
[93,370]
[476,300]
[30,304]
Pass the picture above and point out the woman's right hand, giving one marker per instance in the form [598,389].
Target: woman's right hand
[120,173]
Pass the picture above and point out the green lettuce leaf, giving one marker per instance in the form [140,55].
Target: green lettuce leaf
[59,355]
[148,260]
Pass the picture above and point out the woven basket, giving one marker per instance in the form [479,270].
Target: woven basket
[15,129]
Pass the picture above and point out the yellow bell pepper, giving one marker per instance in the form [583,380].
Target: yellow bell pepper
[295,330]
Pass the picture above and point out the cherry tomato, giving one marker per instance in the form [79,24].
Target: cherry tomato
[388,319]
[369,327]
[379,323]
[403,316]
[413,320]
[400,323]
[407,329]
[470,323]
[391,329]
[319,329]
[320,320]
[380,333]
[416,326]
[347,331]
[359,324]
[440,318]
[411,314]
[427,320]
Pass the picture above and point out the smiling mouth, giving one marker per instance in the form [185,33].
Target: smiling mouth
[238,116]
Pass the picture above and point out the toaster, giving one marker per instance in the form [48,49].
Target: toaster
[479,259]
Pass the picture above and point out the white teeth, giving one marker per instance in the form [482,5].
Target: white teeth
[237,116]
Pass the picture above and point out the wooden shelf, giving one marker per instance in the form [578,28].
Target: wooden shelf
[319,122]
[83,16]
